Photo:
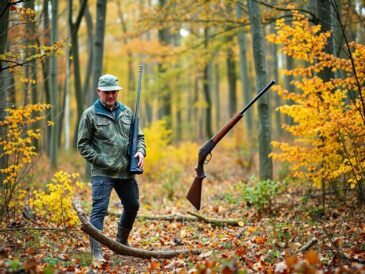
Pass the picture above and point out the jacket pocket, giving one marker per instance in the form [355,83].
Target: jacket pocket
[125,124]
[103,128]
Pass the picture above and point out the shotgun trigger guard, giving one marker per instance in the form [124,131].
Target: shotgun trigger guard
[209,156]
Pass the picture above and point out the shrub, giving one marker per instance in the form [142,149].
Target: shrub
[166,162]
[261,194]
[18,134]
[55,204]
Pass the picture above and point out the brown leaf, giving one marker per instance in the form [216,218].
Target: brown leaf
[154,265]
[291,261]
[227,270]
[64,248]
[312,257]
[30,251]
[30,264]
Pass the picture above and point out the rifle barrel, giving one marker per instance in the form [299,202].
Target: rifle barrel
[139,89]
[268,86]
[239,115]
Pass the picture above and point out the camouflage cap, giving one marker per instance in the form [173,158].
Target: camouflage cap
[108,82]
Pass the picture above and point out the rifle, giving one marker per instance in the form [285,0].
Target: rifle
[194,194]
[133,134]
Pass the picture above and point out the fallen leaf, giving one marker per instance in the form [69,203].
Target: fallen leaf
[259,240]
[205,255]
[155,265]
[291,261]
[312,257]
[281,267]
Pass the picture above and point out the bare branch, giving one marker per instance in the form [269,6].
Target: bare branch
[123,249]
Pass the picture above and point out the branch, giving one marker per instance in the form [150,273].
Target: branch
[11,4]
[308,245]
[80,15]
[183,218]
[216,222]
[314,17]
[37,228]
[119,248]
[18,64]
[336,249]
[171,217]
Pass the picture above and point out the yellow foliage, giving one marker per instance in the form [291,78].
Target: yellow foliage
[55,204]
[162,157]
[17,146]
[17,143]
[329,130]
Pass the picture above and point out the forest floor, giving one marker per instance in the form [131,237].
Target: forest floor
[263,241]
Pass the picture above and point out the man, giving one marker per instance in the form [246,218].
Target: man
[103,140]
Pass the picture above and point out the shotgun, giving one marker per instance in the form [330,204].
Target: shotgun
[133,134]
[194,194]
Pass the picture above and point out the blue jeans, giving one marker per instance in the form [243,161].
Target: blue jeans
[128,193]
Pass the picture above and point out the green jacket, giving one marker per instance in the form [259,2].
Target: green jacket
[103,140]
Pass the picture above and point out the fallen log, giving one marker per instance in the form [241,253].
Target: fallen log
[122,249]
[184,218]
[168,217]
[171,217]
[216,222]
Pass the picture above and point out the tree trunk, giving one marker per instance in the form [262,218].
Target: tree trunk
[74,29]
[89,66]
[130,69]
[45,74]
[275,73]
[287,82]
[4,21]
[165,106]
[231,75]
[246,86]
[32,30]
[206,91]
[195,114]
[217,98]
[98,51]
[325,13]
[55,129]
[265,162]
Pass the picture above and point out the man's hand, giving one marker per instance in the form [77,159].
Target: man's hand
[140,158]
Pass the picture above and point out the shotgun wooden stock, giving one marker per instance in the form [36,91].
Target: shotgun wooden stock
[194,194]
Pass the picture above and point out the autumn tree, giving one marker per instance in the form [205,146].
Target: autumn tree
[328,131]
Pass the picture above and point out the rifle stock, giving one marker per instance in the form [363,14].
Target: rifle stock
[194,194]
[195,191]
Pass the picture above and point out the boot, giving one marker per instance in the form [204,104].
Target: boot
[96,249]
[122,235]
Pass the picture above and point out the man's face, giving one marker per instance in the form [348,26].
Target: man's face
[108,98]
